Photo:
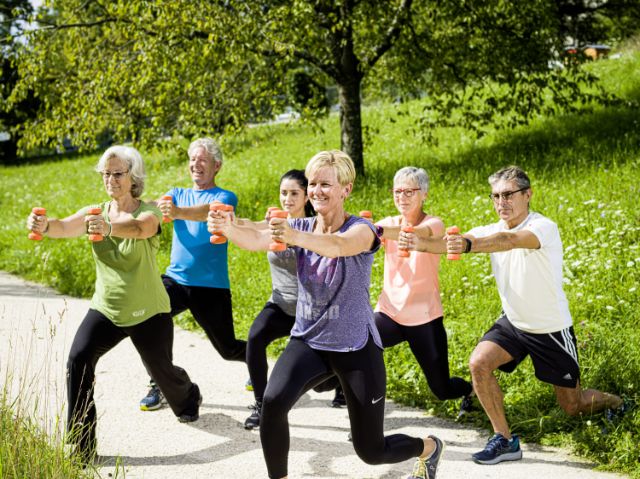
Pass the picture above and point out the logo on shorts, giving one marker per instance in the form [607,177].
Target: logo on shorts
[567,377]
[374,401]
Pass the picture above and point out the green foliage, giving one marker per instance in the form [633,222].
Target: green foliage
[26,451]
[584,170]
[144,71]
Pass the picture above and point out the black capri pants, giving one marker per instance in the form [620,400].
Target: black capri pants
[362,376]
[429,345]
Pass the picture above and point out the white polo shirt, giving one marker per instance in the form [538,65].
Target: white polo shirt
[530,280]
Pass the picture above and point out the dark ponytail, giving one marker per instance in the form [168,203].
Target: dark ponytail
[298,175]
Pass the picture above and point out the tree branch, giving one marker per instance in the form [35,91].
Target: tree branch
[400,18]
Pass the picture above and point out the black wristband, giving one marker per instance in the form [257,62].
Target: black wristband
[467,247]
[379,231]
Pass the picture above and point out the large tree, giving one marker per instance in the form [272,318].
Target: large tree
[147,69]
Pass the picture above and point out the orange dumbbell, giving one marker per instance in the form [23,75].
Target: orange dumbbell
[277,245]
[38,212]
[217,237]
[166,219]
[405,253]
[366,214]
[453,230]
[270,210]
[93,236]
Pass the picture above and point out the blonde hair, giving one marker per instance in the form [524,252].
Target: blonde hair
[336,159]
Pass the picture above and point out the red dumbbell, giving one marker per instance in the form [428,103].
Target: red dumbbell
[453,230]
[166,219]
[277,245]
[366,214]
[217,237]
[405,253]
[38,212]
[94,236]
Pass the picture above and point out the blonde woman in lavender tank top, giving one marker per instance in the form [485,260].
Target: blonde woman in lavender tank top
[334,331]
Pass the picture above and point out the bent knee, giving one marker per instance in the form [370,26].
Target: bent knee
[479,364]
[369,456]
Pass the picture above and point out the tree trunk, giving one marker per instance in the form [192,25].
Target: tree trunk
[351,122]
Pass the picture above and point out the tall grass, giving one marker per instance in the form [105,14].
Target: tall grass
[584,170]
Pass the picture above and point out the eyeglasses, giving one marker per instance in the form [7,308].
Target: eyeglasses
[408,192]
[506,195]
[116,175]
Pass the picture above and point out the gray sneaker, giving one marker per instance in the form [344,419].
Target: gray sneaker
[426,468]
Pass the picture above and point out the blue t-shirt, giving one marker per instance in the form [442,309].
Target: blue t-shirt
[334,309]
[194,260]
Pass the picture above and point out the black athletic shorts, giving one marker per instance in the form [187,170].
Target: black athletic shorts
[554,355]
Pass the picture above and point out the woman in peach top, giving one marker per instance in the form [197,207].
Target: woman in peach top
[409,307]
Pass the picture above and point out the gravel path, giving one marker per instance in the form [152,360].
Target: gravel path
[36,329]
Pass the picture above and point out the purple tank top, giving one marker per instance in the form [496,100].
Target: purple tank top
[334,309]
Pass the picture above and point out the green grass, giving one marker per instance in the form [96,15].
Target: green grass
[584,170]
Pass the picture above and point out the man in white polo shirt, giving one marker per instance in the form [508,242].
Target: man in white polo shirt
[526,259]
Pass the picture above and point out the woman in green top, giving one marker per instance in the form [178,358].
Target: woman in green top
[129,299]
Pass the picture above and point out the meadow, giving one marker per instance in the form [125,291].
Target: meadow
[585,176]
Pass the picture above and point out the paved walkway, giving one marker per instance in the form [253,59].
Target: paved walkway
[36,329]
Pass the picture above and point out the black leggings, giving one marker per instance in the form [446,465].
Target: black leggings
[428,343]
[362,376]
[153,339]
[270,324]
[211,308]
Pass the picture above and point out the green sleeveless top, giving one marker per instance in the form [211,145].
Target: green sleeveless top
[128,289]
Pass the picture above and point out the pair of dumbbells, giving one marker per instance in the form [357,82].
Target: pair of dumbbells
[404,253]
[38,211]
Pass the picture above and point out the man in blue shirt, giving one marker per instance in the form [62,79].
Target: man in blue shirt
[197,278]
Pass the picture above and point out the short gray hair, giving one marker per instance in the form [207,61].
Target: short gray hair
[210,146]
[132,158]
[418,175]
[511,173]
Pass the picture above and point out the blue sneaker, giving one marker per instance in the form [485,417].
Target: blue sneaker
[153,400]
[248,385]
[499,449]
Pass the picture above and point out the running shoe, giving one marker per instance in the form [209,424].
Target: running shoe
[499,449]
[339,399]
[426,468]
[154,398]
[253,421]
[248,385]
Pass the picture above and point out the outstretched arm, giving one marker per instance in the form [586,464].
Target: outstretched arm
[189,213]
[354,241]
[503,241]
[69,227]
[244,233]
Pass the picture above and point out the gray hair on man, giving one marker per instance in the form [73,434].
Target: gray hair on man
[511,173]
[132,159]
[210,146]
[413,174]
